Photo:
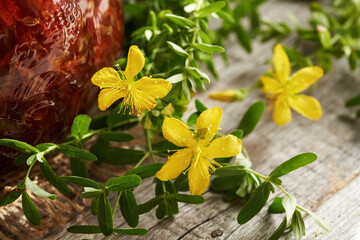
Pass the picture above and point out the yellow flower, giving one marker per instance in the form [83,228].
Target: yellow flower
[283,90]
[199,151]
[138,95]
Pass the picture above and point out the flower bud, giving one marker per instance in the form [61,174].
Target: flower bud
[230,95]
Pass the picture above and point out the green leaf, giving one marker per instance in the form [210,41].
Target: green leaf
[279,231]
[10,197]
[80,125]
[38,191]
[211,8]
[95,206]
[21,159]
[127,204]
[161,211]
[192,199]
[85,182]
[18,145]
[31,159]
[176,78]
[123,183]
[115,136]
[181,21]
[50,175]
[243,37]
[147,206]
[116,156]
[255,203]
[45,146]
[105,216]
[146,171]
[196,73]
[135,231]
[90,192]
[289,203]
[298,225]
[31,212]
[229,171]
[353,101]
[318,220]
[292,164]
[276,206]
[200,106]
[226,17]
[78,167]
[177,49]
[84,229]
[224,183]
[209,48]
[251,117]
[75,152]
[238,133]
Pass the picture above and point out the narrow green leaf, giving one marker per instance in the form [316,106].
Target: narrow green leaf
[229,171]
[75,152]
[192,199]
[18,145]
[176,78]
[209,48]
[127,204]
[298,225]
[146,171]
[105,216]
[292,164]
[90,192]
[31,159]
[147,206]
[243,37]
[318,220]
[211,8]
[45,146]
[21,159]
[50,175]
[80,125]
[354,101]
[84,229]
[135,231]
[78,167]
[200,106]
[30,211]
[10,197]
[116,156]
[279,231]
[255,203]
[95,206]
[181,21]
[123,183]
[161,210]
[223,183]
[238,133]
[177,49]
[85,182]
[196,73]
[115,136]
[251,117]
[226,17]
[276,206]
[289,203]
[38,191]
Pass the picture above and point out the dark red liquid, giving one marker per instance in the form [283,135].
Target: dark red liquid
[49,50]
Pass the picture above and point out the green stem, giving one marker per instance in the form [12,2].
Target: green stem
[116,204]
[148,143]
[29,170]
[116,236]
[164,187]
[142,159]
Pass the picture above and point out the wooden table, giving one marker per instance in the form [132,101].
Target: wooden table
[330,186]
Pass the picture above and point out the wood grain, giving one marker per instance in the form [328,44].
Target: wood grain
[330,186]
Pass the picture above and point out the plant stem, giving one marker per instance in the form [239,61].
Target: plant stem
[116,236]
[148,143]
[141,160]
[116,204]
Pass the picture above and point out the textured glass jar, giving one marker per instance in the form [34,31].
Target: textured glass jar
[49,51]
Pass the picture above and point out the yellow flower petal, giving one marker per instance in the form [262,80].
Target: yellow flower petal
[176,164]
[211,119]
[307,106]
[226,146]
[109,96]
[156,88]
[135,62]
[107,77]
[270,85]
[304,78]
[142,101]
[282,111]
[281,64]
[199,176]
[177,132]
